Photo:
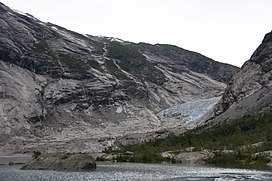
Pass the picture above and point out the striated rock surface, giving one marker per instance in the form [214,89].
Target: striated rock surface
[61,91]
[250,90]
[62,161]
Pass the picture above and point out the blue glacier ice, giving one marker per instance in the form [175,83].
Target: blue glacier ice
[190,111]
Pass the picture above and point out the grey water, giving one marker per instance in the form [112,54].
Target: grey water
[137,171]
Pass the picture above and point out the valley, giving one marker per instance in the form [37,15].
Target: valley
[65,92]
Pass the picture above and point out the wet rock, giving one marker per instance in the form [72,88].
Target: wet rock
[62,161]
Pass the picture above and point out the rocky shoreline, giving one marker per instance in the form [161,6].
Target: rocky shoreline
[15,159]
[62,162]
[87,162]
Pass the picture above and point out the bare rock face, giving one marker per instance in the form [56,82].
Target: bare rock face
[61,91]
[62,161]
[20,109]
[250,91]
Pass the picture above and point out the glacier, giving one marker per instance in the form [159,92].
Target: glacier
[190,111]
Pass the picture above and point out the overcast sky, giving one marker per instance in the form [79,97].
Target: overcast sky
[224,30]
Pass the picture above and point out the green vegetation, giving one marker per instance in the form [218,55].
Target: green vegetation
[78,66]
[131,59]
[133,68]
[239,157]
[36,154]
[64,156]
[113,69]
[98,47]
[145,157]
[237,135]
[118,51]
[75,65]
[94,64]
[41,47]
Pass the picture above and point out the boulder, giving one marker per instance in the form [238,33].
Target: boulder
[167,154]
[62,161]
[266,154]
[192,157]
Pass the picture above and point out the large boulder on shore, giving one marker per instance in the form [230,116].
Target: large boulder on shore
[192,157]
[62,161]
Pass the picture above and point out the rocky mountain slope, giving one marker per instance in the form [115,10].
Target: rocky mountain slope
[63,91]
[250,90]
[238,131]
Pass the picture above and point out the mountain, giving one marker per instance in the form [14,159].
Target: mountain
[250,90]
[236,132]
[64,91]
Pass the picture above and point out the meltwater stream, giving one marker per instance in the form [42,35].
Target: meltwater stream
[135,171]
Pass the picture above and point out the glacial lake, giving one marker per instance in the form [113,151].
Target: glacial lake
[137,171]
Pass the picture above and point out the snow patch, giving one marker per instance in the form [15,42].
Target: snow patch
[25,14]
[117,39]
[10,13]
[54,28]
[42,23]
[119,109]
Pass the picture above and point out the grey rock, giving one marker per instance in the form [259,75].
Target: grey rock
[62,161]
[267,154]
[264,153]
[61,91]
[15,159]
[250,90]
[192,157]
[168,154]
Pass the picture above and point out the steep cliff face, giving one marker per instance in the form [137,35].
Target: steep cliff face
[63,91]
[250,91]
